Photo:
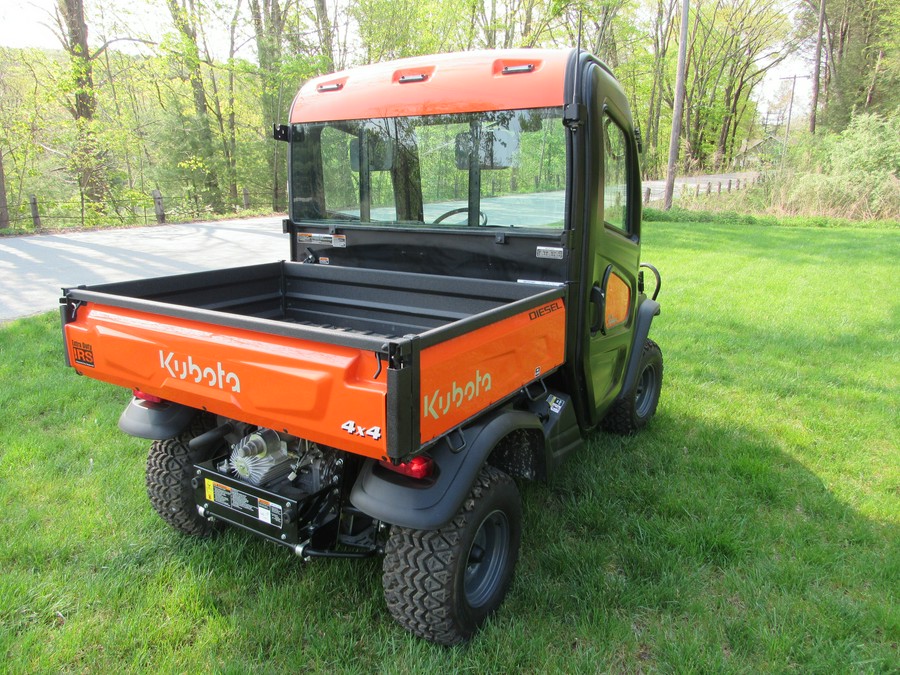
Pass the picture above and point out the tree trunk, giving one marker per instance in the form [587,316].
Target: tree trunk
[231,142]
[216,108]
[115,96]
[86,158]
[679,107]
[662,29]
[76,44]
[4,207]
[870,92]
[326,33]
[184,19]
[268,27]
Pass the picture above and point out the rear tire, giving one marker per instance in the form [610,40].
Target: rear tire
[443,584]
[633,410]
[169,472]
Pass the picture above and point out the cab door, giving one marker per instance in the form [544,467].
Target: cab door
[612,263]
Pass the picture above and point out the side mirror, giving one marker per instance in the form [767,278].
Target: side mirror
[496,151]
[380,154]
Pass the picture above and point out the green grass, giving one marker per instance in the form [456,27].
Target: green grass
[755,526]
[734,210]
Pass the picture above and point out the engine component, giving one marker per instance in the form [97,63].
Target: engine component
[260,457]
[315,467]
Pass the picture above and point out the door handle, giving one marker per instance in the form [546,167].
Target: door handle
[598,297]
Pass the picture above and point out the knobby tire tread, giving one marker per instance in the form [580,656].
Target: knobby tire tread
[419,570]
[168,478]
[621,418]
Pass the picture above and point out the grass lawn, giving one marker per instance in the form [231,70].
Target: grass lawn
[755,526]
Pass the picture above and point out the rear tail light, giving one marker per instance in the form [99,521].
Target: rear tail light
[144,396]
[418,467]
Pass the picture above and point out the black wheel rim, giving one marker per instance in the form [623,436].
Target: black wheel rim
[646,388]
[487,558]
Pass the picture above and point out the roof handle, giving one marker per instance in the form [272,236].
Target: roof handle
[337,86]
[514,70]
[406,79]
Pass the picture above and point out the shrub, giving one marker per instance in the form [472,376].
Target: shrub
[854,174]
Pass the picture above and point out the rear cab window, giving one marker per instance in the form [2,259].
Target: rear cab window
[615,173]
[503,169]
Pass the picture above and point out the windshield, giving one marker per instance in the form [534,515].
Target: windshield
[491,169]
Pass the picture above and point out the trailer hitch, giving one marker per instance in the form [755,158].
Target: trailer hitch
[307,552]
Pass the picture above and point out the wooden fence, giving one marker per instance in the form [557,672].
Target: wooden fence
[706,187]
[153,209]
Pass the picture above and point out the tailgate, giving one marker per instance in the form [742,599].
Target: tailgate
[305,388]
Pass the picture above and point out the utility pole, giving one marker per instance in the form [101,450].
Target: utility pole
[678,112]
[787,127]
[818,68]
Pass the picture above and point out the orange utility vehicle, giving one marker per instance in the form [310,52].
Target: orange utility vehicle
[463,303]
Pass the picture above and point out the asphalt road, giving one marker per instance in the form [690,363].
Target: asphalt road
[35,268]
[658,187]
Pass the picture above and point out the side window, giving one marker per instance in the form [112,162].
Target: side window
[615,187]
[340,183]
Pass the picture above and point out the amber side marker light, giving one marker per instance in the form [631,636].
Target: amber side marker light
[418,467]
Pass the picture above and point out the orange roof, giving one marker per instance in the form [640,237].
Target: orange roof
[432,85]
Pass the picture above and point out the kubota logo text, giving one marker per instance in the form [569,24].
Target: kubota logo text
[186,368]
[439,403]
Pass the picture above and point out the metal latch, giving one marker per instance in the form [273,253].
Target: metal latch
[281,132]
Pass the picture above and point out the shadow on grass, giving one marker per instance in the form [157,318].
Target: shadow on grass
[691,546]
[695,544]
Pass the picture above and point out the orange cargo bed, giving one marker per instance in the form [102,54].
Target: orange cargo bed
[372,362]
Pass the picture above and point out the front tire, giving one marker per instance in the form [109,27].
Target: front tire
[169,472]
[633,410]
[443,584]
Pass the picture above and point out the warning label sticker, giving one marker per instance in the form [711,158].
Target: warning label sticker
[556,404]
[236,500]
[335,240]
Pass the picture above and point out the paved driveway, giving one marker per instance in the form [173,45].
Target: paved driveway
[34,268]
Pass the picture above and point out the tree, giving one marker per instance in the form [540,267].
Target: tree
[186,17]
[87,157]
[111,124]
[269,19]
[325,30]
[733,43]
[22,104]
[399,28]
[662,29]
[862,57]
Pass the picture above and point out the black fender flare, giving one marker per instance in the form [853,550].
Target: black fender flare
[156,421]
[429,505]
[646,312]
